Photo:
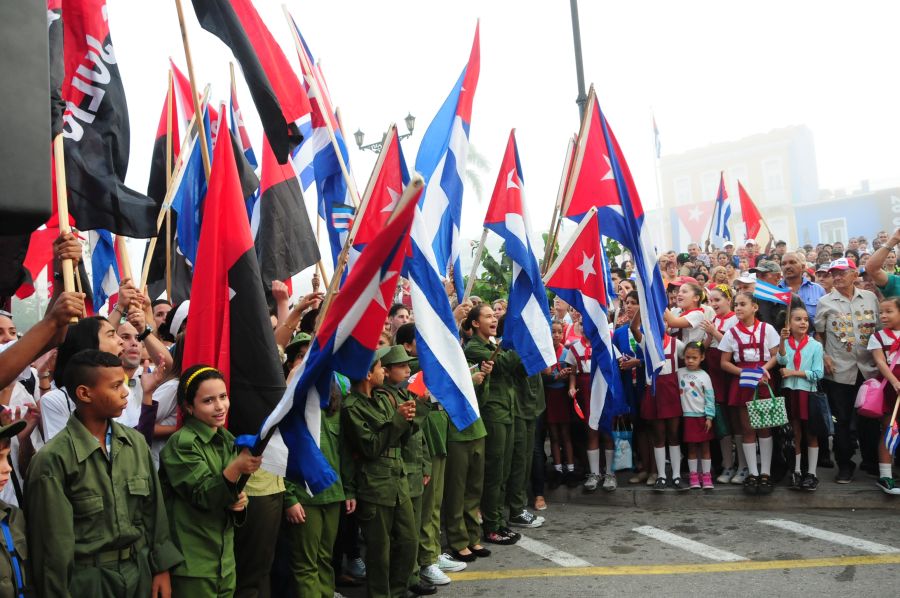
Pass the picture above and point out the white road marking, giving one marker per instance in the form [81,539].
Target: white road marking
[833,537]
[689,545]
[563,559]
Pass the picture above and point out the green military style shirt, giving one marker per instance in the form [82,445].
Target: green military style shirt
[86,508]
[15,519]
[530,397]
[332,447]
[416,454]
[497,394]
[376,433]
[198,496]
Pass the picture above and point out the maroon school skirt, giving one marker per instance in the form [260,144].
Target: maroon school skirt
[666,402]
[559,406]
[738,396]
[583,394]
[890,395]
[695,430]
[798,403]
[720,379]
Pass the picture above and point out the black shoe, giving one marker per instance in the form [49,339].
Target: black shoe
[751,485]
[423,588]
[810,483]
[845,473]
[571,479]
[680,486]
[506,531]
[466,558]
[660,485]
[481,553]
[765,484]
[796,480]
[499,538]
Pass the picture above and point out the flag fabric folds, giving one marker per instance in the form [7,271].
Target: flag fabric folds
[526,327]
[345,342]
[442,162]
[104,267]
[750,377]
[767,292]
[577,277]
[239,134]
[721,214]
[750,213]
[95,128]
[228,323]
[892,437]
[280,100]
[388,180]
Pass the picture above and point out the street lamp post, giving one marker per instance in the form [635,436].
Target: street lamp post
[359,136]
[581,100]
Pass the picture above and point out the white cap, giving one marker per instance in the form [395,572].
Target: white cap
[747,279]
[180,316]
[750,242]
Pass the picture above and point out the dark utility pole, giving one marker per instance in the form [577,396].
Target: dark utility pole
[581,100]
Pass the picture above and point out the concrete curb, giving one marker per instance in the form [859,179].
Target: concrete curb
[860,494]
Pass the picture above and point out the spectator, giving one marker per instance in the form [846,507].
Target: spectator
[398,316]
[887,282]
[792,269]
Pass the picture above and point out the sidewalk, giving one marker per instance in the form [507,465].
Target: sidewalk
[859,494]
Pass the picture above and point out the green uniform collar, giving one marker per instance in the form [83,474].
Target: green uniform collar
[202,431]
[480,341]
[84,443]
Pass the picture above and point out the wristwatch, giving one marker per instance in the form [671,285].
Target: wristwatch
[145,333]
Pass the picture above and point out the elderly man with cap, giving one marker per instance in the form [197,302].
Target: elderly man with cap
[845,319]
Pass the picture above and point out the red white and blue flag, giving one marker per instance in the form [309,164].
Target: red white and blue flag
[601,178]
[104,267]
[577,277]
[345,343]
[442,162]
[526,327]
[769,292]
[721,214]
[892,436]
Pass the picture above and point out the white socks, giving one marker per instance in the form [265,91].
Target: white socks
[812,456]
[609,454]
[593,456]
[727,452]
[558,467]
[659,455]
[797,459]
[692,465]
[742,458]
[884,470]
[765,455]
[706,465]
[675,460]
[570,467]
[750,454]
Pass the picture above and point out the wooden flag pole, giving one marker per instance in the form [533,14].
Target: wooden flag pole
[204,149]
[317,97]
[478,253]
[62,209]
[556,221]
[169,143]
[125,258]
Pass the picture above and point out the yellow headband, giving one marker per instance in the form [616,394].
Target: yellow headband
[197,373]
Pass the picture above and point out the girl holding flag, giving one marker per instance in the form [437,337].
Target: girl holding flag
[884,346]
[802,366]
[685,321]
[748,354]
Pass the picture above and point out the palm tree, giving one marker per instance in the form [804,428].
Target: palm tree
[476,165]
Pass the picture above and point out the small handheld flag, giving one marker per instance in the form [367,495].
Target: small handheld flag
[769,292]
[750,377]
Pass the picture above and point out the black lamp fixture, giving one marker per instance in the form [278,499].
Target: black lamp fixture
[359,136]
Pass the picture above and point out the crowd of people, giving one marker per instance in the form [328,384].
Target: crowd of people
[119,477]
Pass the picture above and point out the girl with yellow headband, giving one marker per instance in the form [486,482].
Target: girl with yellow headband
[199,470]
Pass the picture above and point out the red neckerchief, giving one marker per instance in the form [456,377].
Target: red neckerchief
[798,348]
[743,329]
[690,311]
[721,320]
[896,340]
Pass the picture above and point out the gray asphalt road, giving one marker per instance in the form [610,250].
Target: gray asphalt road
[590,550]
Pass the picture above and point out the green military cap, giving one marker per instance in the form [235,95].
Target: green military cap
[12,429]
[396,354]
[299,339]
[379,355]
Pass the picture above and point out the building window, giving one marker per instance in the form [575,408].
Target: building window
[682,190]
[773,175]
[833,230]
[709,185]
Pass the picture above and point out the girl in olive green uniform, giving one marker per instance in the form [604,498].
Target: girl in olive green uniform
[199,470]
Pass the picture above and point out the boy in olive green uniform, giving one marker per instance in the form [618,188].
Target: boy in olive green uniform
[97,524]
[377,428]
[15,575]
[529,404]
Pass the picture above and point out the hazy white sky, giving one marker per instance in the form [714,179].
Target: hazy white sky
[711,71]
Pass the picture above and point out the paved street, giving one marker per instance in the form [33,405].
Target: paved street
[607,550]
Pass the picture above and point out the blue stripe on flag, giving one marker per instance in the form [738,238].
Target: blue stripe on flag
[750,377]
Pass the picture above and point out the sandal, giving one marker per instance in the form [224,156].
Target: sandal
[765,484]
[751,485]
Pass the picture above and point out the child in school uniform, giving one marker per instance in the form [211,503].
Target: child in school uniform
[751,345]
[684,321]
[699,407]
[630,358]
[558,412]
[884,345]
[720,297]
[802,363]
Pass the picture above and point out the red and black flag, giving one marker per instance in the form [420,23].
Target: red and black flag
[228,322]
[280,99]
[285,242]
[95,128]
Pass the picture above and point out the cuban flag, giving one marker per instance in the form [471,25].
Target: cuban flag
[750,377]
[527,325]
[104,267]
[577,277]
[442,161]
[190,192]
[768,292]
[239,132]
[892,436]
[721,214]
[601,179]
[345,342]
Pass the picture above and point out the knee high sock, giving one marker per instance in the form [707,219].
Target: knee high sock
[593,456]
[742,458]
[675,460]
[706,465]
[765,455]
[692,465]
[812,456]
[797,459]
[727,453]
[609,454]
[750,454]
[659,455]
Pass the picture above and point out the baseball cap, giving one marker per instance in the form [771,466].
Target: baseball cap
[750,242]
[747,279]
[766,267]
[10,430]
[728,244]
[842,264]
[680,280]
[823,268]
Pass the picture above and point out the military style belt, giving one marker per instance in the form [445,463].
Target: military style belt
[110,556]
[391,453]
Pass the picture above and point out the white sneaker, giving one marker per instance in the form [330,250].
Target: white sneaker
[446,562]
[609,482]
[726,476]
[592,481]
[433,575]
[740,476]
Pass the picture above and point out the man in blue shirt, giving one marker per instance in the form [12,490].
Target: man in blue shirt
[793,266]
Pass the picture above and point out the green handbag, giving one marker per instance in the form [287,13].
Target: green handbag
[767,413]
